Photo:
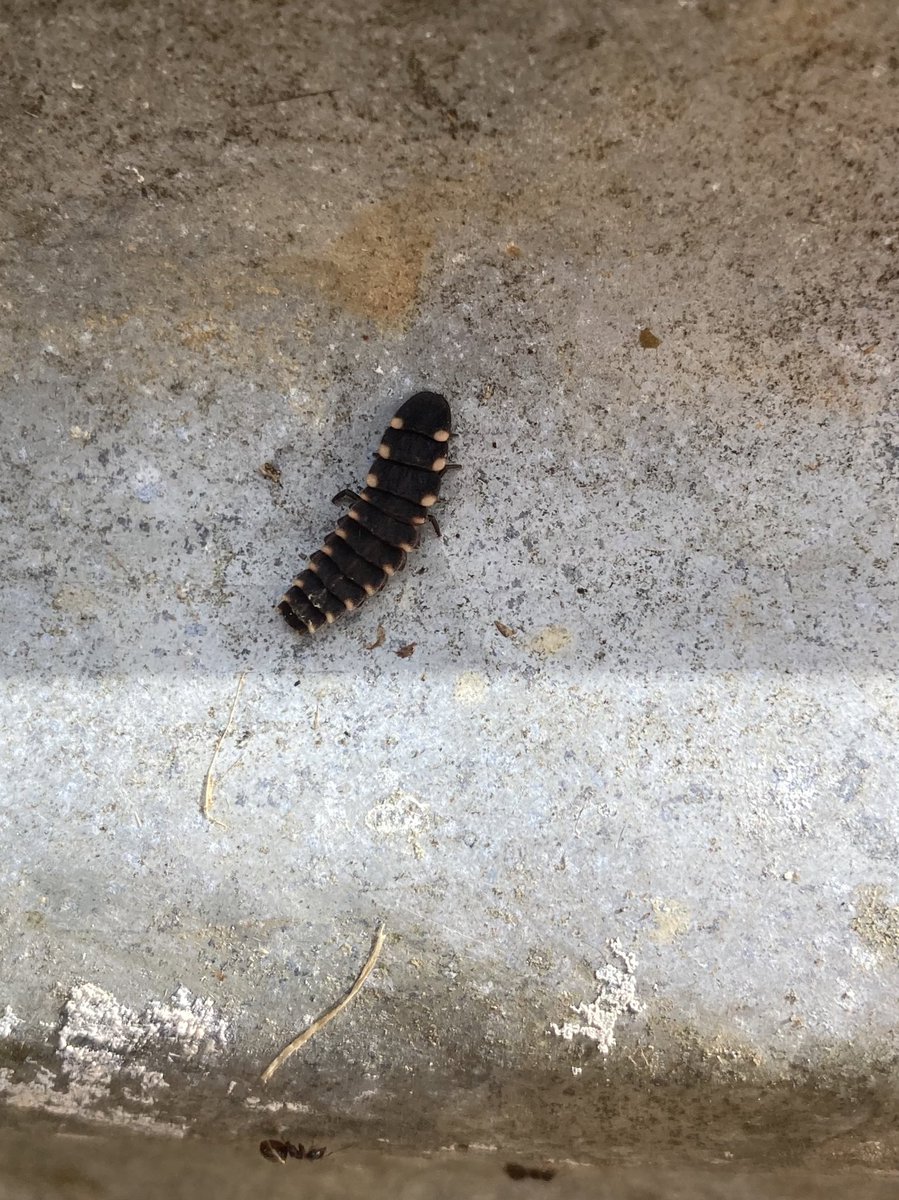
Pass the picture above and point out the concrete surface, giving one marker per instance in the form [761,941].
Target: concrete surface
[649,251]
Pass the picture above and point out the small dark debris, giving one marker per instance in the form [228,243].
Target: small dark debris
[648,339]
[516,1171]
[269,471]
[505,630]
[406,651]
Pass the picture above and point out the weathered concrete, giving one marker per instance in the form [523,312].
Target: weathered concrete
[649,252]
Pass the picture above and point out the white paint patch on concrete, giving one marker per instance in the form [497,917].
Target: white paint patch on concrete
[8,1022]
[617,996]
[100,1038]
[275,1106]
[102,1041]
[95,1039]
[191,1023]
[44,1093]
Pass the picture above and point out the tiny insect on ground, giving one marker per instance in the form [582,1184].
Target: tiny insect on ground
[384,521]
[279,1151]
[517,1171]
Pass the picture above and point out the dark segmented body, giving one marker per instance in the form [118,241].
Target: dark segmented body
[277,1151]
[371,542]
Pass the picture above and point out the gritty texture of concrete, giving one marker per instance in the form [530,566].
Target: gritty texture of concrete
[649,252]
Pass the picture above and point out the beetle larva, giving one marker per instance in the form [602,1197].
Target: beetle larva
[384,522]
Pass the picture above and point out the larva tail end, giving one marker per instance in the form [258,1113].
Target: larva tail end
[427,413]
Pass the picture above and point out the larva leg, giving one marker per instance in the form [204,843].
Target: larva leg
[347,496]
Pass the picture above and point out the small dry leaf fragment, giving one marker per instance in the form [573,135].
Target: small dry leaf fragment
[513,251]
[269,471]
[648,339]
[406,651]
[505,630]
[379,639]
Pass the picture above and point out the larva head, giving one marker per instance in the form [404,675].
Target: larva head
[427,413]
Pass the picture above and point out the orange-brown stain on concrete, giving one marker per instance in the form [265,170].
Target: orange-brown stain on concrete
[374,270]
